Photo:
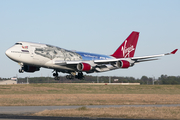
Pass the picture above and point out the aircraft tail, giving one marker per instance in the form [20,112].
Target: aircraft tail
[128,47]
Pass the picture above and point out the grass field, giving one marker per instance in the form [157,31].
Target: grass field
[87,89]
[92,94]
[85,94]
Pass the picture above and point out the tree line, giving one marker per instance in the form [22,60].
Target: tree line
[144,80]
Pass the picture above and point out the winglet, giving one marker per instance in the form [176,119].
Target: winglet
[173,52]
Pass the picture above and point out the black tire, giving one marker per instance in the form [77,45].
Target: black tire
[21,71]
[56,78]
[67,76]
[54,74]
[71,76]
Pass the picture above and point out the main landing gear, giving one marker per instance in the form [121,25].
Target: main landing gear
[78,76]
[56,77]
[71,76]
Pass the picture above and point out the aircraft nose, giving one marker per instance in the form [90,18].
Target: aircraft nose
[8,52]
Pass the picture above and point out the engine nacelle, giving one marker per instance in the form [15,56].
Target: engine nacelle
[28,68]
[122,64]
[84,67]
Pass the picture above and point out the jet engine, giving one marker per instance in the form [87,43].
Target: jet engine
[28,68]
[84,67]
[122,64]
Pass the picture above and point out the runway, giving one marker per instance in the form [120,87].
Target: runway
[17,117]
[23,112]
[34,109]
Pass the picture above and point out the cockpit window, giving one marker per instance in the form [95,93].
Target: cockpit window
[18,43]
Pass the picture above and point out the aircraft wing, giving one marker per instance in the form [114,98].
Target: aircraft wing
[137,59]
[108,61]
[151,57]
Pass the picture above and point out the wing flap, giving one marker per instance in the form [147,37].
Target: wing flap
[144,60]
[105,61]
[147,57]
[59,62]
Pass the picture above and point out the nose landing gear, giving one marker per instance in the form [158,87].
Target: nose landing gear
[21,70]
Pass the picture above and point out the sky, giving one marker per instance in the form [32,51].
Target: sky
[96,26]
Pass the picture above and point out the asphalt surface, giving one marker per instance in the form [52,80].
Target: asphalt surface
[23,112]
[34,109]
[16,117]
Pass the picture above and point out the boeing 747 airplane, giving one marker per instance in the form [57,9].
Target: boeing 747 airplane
[32,56]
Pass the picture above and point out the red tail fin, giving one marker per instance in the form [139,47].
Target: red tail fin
[128,47]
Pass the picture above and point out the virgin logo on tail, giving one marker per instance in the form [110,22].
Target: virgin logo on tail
[127,48]
[127,51]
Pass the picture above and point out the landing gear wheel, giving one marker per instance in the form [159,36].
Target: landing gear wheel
[55,74]
[56,77]
[69,77]
[80,76]
[21,70]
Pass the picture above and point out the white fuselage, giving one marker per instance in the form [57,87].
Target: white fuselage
[43,55]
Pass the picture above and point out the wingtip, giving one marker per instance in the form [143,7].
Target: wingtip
[173,52]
